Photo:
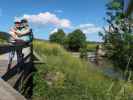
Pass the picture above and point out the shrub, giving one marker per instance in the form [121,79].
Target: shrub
[76,40]
[58,37]
[83,53]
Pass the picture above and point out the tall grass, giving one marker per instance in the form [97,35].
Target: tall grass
[74,79]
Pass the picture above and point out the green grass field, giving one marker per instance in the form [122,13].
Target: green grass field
[64,77]
[91,47]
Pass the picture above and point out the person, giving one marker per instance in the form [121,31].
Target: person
[12,32]
[25,33]
[12,40]
[20,34]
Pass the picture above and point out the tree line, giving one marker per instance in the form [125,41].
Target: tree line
[74,41]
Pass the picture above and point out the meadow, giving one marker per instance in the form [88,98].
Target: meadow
[91,46]
[63,77]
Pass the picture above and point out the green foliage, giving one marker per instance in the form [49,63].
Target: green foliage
[73,41]
[118,39]
[83,53]
[4,37]
[2,41]
[73,79]
[115,5]
[58,37]
[76,40]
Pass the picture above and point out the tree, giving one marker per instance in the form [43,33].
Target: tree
[76,40]
[118,38]
[58,37]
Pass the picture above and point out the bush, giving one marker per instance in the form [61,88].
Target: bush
[83,53]
[76,40]
[58,37]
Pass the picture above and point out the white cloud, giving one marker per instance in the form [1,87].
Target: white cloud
[86,28]
[89,28]
[48,18]
[53,31]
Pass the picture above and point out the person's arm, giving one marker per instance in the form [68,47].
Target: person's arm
[24,32]
[12,33]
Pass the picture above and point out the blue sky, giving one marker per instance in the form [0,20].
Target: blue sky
[46,16]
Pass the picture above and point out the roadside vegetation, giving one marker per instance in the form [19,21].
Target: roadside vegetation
[118,37]
[64,77]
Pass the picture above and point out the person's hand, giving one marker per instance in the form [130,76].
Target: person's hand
[18,33]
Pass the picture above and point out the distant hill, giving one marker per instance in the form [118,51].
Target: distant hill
[4,36]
